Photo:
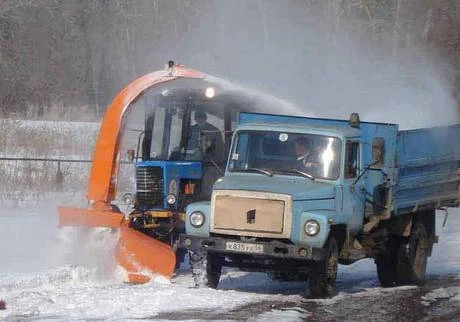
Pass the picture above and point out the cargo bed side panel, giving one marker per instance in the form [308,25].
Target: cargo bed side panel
[427,168]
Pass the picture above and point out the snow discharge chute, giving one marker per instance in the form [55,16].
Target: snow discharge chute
[140,255]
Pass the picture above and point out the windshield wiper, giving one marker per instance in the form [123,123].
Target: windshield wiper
[263,171]
[305,174]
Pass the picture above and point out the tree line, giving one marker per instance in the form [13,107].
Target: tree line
[66,59]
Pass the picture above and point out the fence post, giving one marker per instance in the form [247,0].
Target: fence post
[59,178]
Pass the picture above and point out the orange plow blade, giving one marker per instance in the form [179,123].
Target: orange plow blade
[140,255]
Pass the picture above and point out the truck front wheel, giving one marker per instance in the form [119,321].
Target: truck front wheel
[206,269]
[324,273]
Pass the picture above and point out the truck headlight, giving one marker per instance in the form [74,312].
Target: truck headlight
[311,227]
[197,219]
[171,199]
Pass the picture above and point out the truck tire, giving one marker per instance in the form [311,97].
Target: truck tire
[206,269]
[412,257]
[386,270]
[386,264]
[324,273]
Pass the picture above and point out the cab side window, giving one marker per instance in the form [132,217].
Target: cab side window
[351,159]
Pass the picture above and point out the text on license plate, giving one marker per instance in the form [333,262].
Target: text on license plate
[244,247]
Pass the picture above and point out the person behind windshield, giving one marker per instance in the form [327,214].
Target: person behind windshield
[208,135]
[306,159]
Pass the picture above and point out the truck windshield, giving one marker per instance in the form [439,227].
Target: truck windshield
[297,154]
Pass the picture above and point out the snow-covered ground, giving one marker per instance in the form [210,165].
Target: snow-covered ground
[50,274]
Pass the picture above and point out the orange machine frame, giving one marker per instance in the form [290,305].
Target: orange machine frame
[137,253]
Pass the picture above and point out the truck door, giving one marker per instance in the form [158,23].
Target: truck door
[353,199]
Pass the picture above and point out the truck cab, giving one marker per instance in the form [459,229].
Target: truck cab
[299,196]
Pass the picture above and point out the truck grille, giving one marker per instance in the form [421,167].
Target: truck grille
[149,186]
[255,214]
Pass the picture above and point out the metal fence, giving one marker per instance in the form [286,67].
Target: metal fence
[22,175]
[59,174]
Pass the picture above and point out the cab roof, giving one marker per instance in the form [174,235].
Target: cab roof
[253,121]
[293,128]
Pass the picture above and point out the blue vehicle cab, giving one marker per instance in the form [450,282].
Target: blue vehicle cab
[301,195]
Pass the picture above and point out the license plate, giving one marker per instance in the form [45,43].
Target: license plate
[244,247]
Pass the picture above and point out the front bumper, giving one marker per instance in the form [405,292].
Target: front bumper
[271,249]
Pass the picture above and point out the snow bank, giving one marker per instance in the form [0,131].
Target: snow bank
[69,293]
[447,293]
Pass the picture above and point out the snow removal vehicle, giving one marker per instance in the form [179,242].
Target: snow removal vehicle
[181,152]
[301,195]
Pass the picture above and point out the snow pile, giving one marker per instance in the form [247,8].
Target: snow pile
[54,277]
[443,293]
[75,297]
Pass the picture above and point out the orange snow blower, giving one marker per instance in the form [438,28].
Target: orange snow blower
[138,253]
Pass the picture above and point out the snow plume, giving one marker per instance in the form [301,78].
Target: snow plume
[328,66]
[264,100]
[31,241]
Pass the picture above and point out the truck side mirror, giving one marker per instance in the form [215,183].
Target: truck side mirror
[378,152]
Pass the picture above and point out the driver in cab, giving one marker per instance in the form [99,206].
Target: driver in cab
[206,137]
[306,159]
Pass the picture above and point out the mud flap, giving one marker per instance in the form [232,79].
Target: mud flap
[141,256]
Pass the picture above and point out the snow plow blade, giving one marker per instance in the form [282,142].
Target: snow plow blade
[141,256]
[144,257]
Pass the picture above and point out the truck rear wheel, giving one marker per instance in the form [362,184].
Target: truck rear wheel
[206,269]
[412,257]
[324,273]
[386,264]
[405,261]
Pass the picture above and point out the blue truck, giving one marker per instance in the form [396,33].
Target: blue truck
[301,195]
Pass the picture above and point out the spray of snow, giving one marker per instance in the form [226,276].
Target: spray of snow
[325,64]
[265,99]
[31,241]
